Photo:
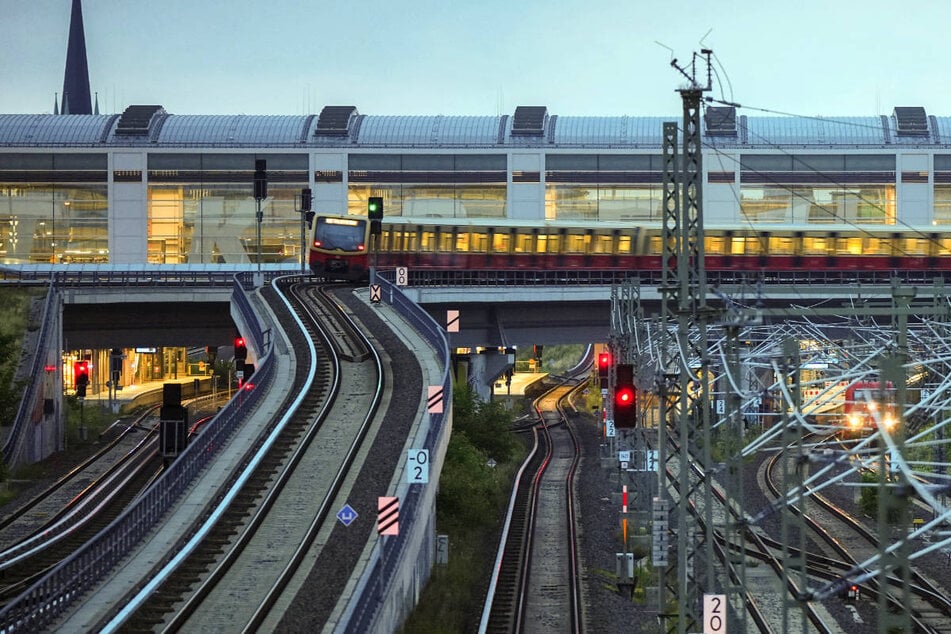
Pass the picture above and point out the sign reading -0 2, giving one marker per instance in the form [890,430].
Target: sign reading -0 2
[417,466]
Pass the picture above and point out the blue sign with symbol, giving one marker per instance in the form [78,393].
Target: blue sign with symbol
[346,515]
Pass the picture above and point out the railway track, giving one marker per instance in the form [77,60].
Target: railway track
[252,544]
[930,610]
[757,598]
[55,522]
[537,583]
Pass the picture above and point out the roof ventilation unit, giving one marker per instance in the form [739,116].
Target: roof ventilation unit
[136,120]
[529,120]
[720,121]
[911,121]
[335,120]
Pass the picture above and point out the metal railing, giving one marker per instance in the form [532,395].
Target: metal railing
[393,555]
[28,402]
[138,275]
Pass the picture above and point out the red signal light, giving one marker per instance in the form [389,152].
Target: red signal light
[625,397]
[240,349]
[81,377]
[604,362]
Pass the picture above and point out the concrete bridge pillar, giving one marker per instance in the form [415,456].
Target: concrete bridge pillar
[483,368]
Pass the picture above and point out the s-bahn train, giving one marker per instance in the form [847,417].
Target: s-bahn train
[867,402]
[341,247]
[338,247]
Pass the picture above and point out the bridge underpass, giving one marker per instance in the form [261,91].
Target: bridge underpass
[152,324]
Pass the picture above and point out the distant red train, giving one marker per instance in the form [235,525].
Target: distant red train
[866,402]
[340,247]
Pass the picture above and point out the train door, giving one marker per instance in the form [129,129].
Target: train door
[414,238]
[894,260]
[560,249]
[589,244]
[523,247]
[727,250]
[797,247]
[764,251]
[833,249]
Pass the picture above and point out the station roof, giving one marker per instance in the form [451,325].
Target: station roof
[529,126]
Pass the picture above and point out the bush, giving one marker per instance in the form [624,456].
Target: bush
[868,500]
[486,425]
[471,501]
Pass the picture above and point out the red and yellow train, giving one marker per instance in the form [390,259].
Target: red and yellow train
[341,247]
[866,404]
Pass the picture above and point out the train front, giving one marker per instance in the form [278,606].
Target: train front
[338,248]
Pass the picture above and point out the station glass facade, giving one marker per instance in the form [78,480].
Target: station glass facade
[53,208]
[818,189]
[429,185]
[942,189]
[201,208]
[603,187]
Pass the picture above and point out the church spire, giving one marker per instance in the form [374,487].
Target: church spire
[76,80]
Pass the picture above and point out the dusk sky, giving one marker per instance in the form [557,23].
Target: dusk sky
[440,57]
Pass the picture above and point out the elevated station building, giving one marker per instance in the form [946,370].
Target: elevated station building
[149,186]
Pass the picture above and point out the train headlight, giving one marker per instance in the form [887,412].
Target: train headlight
[890,422]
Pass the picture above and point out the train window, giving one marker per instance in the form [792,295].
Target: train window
[460,242]
[523,243]
[386,239]
[398,237]
[340,233]
[815,245]
[501,243]
[427,241]
[411,240]
[444,241]
[874,246]
[655,246]
[943,246]
[547,243]
[853,246]
[713,245]
[478,241]
[780,245]
[916,246]
[625,245]
[601,244]
[575,243]
[754,245]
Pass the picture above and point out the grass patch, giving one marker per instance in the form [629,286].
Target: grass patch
[469,509]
